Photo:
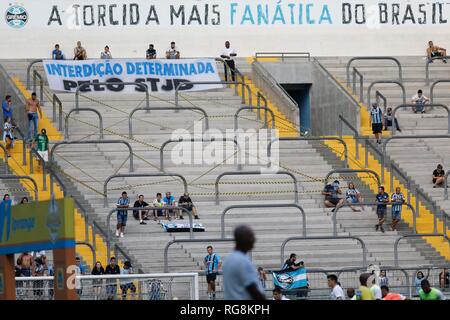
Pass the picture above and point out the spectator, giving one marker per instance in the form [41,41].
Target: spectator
[227,55]
[57,54]
[435,51]
[186,202]
[27,264]
[331,193]
[24,200]
[97,283]
[262,277]
[390,295]
[169,200]
[32,108]
[8,136]
[398,198]
[376,119]
[17,267]
[140,214]
[278,295]
[384,280]
[419,100]
[438,176]
[111,286]
[41,140]
[375,290]
[444,279]
[336,291]
[429,293]
[388,120]
[40,270]
[351,294]
[7,109]
[172,53]
[363,293]
[127,284]
[418,282]
[151,52]
[158,203]
[122,215]
[353,196]
[79,53]
[290,264]
[381,197]
[106,54]
[240,278]
[212,264]
[80,270]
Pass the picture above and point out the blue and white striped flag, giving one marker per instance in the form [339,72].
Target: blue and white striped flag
[288,280]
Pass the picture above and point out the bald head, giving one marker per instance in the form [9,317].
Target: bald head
[244,238]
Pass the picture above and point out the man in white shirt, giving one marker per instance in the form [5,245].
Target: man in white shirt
[277,295]
[106,54]
[376,291]
[419,100]
[336,293]
[172,53]
[227,55]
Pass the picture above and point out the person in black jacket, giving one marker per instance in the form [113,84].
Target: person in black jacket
[111,284]
[140,214]
[97,283]
[186,202]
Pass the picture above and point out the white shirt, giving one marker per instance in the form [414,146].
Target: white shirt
[106,55]
[282,298]
[376,292]
[172,53]
[420,100]
[337,293]
[228,52]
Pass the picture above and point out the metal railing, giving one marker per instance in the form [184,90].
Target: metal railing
[347,171]
[130,116]
[37,75]
[237,73]
[60,143]
[140,175]
[437,105]
[18,178]
[363,245]
[260,97]
[341,122]
[400,84]
[30,65]
[266,110]
[256,206]
[5,153]
[427,67]
[446,185]
[55,100]
[243,173]
[269,146]
[418,235]
[433,85]
[94,255]
[181,140]
[283,55]
[66,121]
[400,71]
[378,97]
[361,83]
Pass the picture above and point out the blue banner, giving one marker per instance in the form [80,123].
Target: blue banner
[290,279]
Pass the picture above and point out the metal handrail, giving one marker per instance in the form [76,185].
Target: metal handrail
[269,145]
[130,149]
[433,85]
[163,146]
[292,55]
[140,175]
[255,206]
[94,255]
[437,105]
[66,121]
[363,244]
[130,116]
[118,248]
[378,96]
[266,122]
[18,178]
[419,235]
[371,204]
[329,174]
[242,173]
[33,62]
[41,86]
[400,71]
[259,97]
[400,84]
[342,120]
[361,83]
[55,101]
[446,185]
[5,152]
[427,67]
[236,72]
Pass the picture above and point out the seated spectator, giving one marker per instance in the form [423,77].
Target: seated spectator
[419,100]
[57,54]
[8,136]
[277,295]
[331,193]
[172,53]
[169,200]
[140,214]
[391,295]
[290,263]
[127,284]
[388,120]
[438,176]
[435,51]
[24,200]
[186,202]
[79,53]
[158,203]
[353,196]
[444,279]
[106,54]
[151,52]
[17,268]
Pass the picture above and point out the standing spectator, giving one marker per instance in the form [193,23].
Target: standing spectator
[80,270]
[41,140]
[331,193]
[376,119]
[429,293]
[27,264]
[158,203]
[79,53]
[353,196]
[127,284]
[390,295]
[418,282]
[262,277]
[381,197]
[278,295]
[57,54]
[186,202]
[438,176]
[419,100]
[40,268]
[173,52]
[151,52]
[336,291]
[363,293]
[227,55]
[384,280]
[388,120]
[376,290]
[8,136]
[140,214]
[444,279]
[212,264]
[169,200]
[24,200]
[7,108]
[399,199]
[122,215]
[111,286]
[106,54]
[97,283]
[32,108]
[240,278]
[435,51]
[290,263]
[351,294]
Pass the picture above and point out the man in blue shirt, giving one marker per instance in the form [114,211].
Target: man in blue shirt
[7,108]
[381,197]
[212,264]
[240,278]
[376,119]
[397,208]
[169,200]
[57,54]
[122,215]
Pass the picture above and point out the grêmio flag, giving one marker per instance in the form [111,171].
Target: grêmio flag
[290,279]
